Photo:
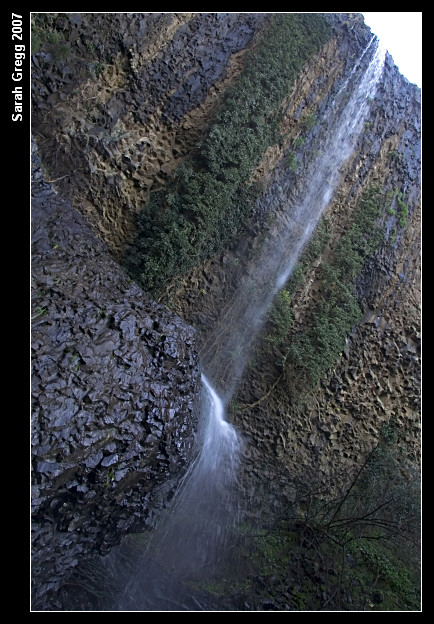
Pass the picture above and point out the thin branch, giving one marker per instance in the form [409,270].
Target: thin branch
[57,179]
[339,507]
[361,518]
[262,398]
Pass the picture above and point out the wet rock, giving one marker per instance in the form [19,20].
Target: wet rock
[99,400]
[108,430]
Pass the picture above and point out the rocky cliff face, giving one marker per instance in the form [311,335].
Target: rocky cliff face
[119,101]
[376,378]
[114,392]
[119,114]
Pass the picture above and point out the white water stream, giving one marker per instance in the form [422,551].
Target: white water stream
[195,531]
[297,212]
[186,543]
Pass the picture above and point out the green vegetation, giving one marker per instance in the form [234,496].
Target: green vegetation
[110,478]
[397,582]
[298,141]
[403,214]
[315,349]
[279,320]
[353,547]
[209,201]
[291,161]
[312,252]
[312,350]
[280,317]
[403,209]
[45,37]
[306,125]
[308,122]
[39,311]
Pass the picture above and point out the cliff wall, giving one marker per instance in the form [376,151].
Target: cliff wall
[119,102]
[115,384]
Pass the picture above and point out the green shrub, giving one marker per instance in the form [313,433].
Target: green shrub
[291,161]
[45,37]
[315,349]
[403,209]
[358,536]
[318,347]
[308,122]
[280,317]
[209,202]
[403,215]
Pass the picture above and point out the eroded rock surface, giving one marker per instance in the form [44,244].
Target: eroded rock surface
[117,117]
[378,376]
[114,392]
[115,375]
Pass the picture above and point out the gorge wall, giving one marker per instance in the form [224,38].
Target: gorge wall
[119,102]
[108,430]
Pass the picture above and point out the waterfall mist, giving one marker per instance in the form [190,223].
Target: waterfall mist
[195,531]
[297,211]
[186,543]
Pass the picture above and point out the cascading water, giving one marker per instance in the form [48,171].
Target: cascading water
[186,543]
[297,212]
[196,530]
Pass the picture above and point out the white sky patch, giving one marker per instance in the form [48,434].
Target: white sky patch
[401,35]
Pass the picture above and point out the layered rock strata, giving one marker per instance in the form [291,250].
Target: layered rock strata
[115,375]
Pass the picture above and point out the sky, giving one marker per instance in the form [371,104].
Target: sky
[401,35]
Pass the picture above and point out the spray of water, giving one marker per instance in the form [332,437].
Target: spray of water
[297,212]
[194,533]
[185,545]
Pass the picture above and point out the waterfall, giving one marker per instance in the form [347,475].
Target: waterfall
[297,212]
[197,528]
[186,543]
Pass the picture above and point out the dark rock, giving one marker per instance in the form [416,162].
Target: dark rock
[101,404]
[378,597]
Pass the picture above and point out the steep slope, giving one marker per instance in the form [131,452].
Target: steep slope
[120,99]
[115,379]
[115,382]
[127,111]
[375,373]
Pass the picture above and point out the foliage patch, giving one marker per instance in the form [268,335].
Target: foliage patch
[209,201]
[315,348]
